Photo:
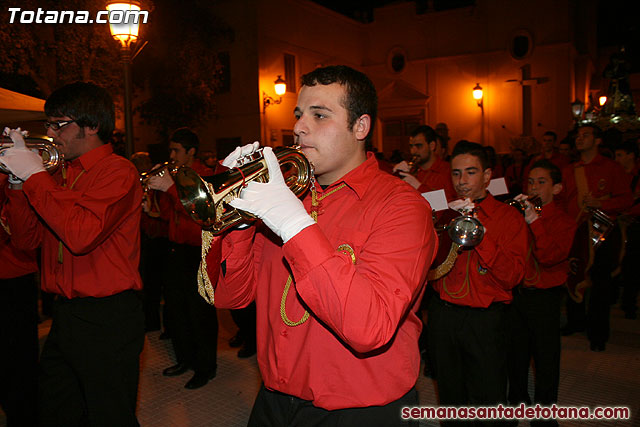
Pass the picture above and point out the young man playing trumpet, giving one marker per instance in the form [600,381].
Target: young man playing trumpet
[336,277]
[466,319]
[86,220]
[534,315]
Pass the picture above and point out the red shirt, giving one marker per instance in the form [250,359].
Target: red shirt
[437,177]
[359,346]
[486,273]
[182,229]
[635,175]
[13,261]
[606,179]
[96,217]
[552,237]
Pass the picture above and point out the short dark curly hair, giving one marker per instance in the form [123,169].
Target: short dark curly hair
[361,93]
[88,104]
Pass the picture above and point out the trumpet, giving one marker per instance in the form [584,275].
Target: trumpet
[158,170]
[535,200]
[413,167]
[51,157]
[206,199]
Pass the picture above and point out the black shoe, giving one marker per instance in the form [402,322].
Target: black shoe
[175,370]
[200,379]
[164,336]
[570,329]
[236,341]
[246,351]
[597,347]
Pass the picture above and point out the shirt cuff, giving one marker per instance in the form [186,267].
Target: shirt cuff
[37,184]
[307,250]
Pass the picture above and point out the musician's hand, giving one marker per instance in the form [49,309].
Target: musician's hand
[530,213]
[21,162]
[462,206]
[17,136]
[231,161]
[402,166]
[591,202]
[161,182]
[409,179]
[274,202]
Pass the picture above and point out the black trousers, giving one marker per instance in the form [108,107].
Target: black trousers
[153,253]
[19,349]
[594,313]
[468,348]
[631,270]
[89,365]
[533,320]
[193,322]
[274,409]
[245,319]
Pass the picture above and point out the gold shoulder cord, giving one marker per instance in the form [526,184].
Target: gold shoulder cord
[464,289]
[205,288]
[344,248]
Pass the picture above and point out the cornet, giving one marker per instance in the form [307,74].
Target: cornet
[206,199]
[535,200]
[51,157]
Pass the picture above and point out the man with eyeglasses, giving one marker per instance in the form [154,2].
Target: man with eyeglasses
[86,219]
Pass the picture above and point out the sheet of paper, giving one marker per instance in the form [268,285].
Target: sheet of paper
[497,186]
[436,199]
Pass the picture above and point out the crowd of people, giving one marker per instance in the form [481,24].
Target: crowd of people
[330,289]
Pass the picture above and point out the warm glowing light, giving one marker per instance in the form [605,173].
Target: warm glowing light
[124,21]
[477,92]
[577,108]
[602,100]
[281,86]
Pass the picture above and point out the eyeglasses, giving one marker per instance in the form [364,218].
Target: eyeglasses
[56,126]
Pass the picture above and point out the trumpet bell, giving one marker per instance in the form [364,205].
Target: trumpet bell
[466,231]
[51,157]
[207,199]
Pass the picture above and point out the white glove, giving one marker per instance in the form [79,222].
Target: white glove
[409,179]
[530,214]
[18,159]
[161,182]
[274,203]
[402,166]
[231,161]
[462,206]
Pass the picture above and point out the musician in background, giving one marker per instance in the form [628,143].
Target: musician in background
[466,322]
[627,157]
[430,172]
[18,326]
[550,152]
[533,318]
[86,219]
[595,182]
[193,323]
[336,277]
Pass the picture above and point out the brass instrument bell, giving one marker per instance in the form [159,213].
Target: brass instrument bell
[466,230]
[206,199]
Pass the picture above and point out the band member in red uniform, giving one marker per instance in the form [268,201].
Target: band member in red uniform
[549,152]
[336,289]
[466,322]
[533,318]
[595,182]
[18,326]
[432,173]
[193,323]
[86,219]
[627,157]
